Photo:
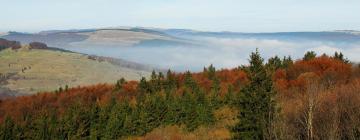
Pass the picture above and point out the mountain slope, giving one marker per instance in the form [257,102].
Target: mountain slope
[113,37]
[27,71]
[330,36]
[182,49]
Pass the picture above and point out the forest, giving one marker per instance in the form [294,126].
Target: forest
[314,98]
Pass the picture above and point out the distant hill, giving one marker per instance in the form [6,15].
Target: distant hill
[330,36]
[111,37]
[28,70]
[184,49]
[127,37]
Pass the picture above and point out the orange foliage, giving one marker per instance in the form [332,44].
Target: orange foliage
[235,77]
[329,70]
[130,87]
[35,104]
[338,85]
[322,66]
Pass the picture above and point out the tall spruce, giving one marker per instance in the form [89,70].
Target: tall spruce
[309,55]
[119,84]
[255,103]
[7,129]
[340,56]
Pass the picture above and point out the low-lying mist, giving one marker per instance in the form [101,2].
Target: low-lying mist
[222,52]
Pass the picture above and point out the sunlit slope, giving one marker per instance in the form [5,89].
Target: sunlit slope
[29,71]
[107,38]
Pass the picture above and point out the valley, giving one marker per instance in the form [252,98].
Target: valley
[185,49]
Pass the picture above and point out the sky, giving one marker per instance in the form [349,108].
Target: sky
[206,15]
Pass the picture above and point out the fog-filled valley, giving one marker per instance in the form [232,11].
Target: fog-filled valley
[181,50]
[180,70]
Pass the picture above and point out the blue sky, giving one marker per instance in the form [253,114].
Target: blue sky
[211,15]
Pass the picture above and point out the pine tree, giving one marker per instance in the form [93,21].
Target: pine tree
[143,86]
[274,63]
[255,104]
[190,83]
[66,88]
[60,89]
[119,84]
[229,96]
[286,62]
[155,110]
[7,129]
[115,125]
[309,55]
[173,115]
[170,82]
[211,72]
[188,111]
[215,92]
[102,119]
[340,56]
[95,123]
[41,131]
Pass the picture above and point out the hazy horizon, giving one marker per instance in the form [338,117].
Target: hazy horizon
[204,15]
[121,27]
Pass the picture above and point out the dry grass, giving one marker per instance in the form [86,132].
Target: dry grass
[116,37]
[43,70]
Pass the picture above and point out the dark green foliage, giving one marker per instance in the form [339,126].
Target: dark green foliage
[215,92]
[190,83]
[287,62]
[230,98]
[340,56]
[143,86]
[118,118]
[115,127]
[210,71]
[255,104]
[154,83]
[158,102]
[119,84]
[7,129]
[309,55]
[66,87]
[60,89]
[274,63]
[170,83]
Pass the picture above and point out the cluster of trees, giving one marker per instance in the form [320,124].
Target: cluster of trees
[109,111]
[319,98]
[279,99]
[9,44]
[4,44]
[38,45]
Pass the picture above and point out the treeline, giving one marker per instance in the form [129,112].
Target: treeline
[313,98]
[4,44]
[9,44]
